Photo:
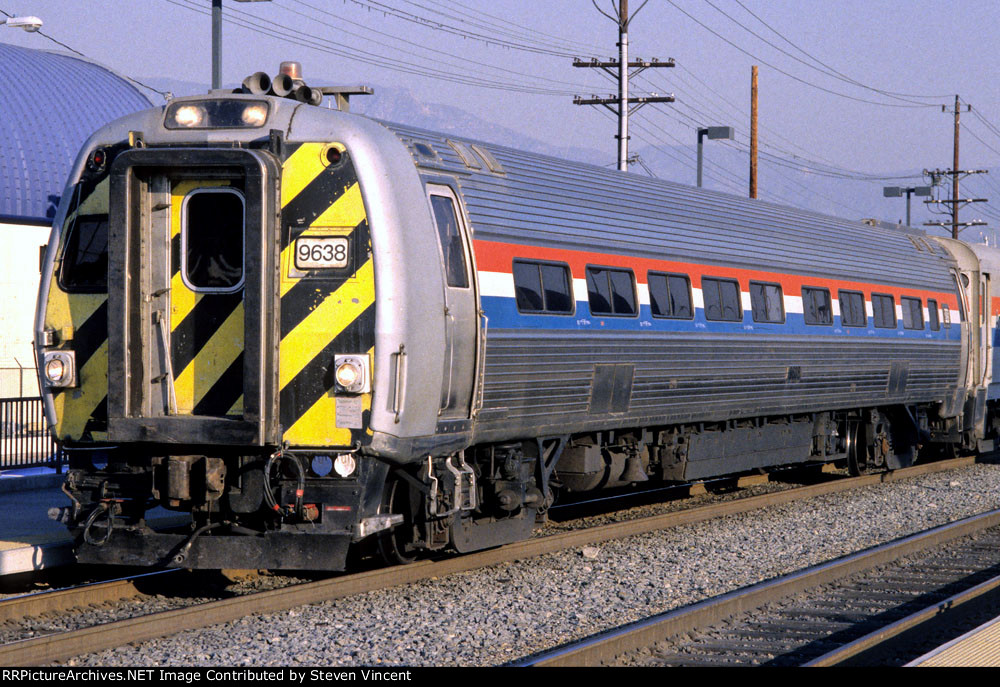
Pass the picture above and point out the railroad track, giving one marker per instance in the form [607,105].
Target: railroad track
[883,606]
[61,646]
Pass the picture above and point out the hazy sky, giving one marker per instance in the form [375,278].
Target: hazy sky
[510,62]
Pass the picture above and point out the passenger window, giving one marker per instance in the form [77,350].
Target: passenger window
[670,295]
[611,291]
[816,307]
[451,241]
[766,302]
[722,299]
[852,309]
[932,315]
[212,240]
[913,313]
[542,287]
[884,311]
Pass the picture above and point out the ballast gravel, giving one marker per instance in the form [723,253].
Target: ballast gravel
[498,614]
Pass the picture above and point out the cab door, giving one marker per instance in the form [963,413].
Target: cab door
[985,329]
[461,316]
[192,297]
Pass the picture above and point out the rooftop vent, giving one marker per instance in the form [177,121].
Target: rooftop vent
[288,83]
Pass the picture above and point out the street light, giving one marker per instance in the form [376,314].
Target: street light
[712,132]
[217,41]
[897,192]
[29,24]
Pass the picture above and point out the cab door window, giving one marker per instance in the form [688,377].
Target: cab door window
[450,236]
[212,240]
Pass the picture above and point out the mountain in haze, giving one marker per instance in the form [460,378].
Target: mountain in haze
[400,106]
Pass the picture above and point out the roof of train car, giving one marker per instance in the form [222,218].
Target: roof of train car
[55,102]
[547,201]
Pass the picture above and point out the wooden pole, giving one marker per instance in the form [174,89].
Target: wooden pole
[753,131]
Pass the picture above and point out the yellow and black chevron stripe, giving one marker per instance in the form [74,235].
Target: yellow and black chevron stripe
[323,312]
[81,323]
[206,332]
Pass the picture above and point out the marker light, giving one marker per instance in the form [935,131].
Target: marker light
[59,368]
[348,374]
[351,374]
[345,465]
[55,369]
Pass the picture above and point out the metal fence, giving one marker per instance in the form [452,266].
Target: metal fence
[24,437]
[17,379]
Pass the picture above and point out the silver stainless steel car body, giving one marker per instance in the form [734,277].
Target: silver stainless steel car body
[472,397]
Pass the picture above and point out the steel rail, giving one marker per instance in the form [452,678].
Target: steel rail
[933,613]
[604,647]
[61,600]
[56,647]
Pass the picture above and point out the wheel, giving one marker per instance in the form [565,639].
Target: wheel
[392,543]
[857,449]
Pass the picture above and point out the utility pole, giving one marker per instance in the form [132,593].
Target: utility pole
[217,41]
[216,44]
[955,173]
[753,131]
[619,69]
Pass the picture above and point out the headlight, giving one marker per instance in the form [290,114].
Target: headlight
[351,373]
[189,116]
[59,368]
[254,115]
[221,113]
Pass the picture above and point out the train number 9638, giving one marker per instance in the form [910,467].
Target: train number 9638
[324,252]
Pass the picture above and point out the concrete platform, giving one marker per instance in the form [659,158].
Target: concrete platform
[979,648]
[29,540]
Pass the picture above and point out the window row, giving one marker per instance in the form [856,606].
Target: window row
[543,287]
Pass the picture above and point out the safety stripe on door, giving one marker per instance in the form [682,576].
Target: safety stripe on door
[206,331]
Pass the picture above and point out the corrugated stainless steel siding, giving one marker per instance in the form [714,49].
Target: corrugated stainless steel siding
[51,103]
[542,379]
[547,201]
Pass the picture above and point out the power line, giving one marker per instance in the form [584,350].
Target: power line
[976,136]
[480,19]
[74,50]
[290,35]
[801,163]
[460,59]
[789,74]
[449,28]
[767,159]
[831,71]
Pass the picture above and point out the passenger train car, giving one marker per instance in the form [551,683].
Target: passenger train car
[313,331]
